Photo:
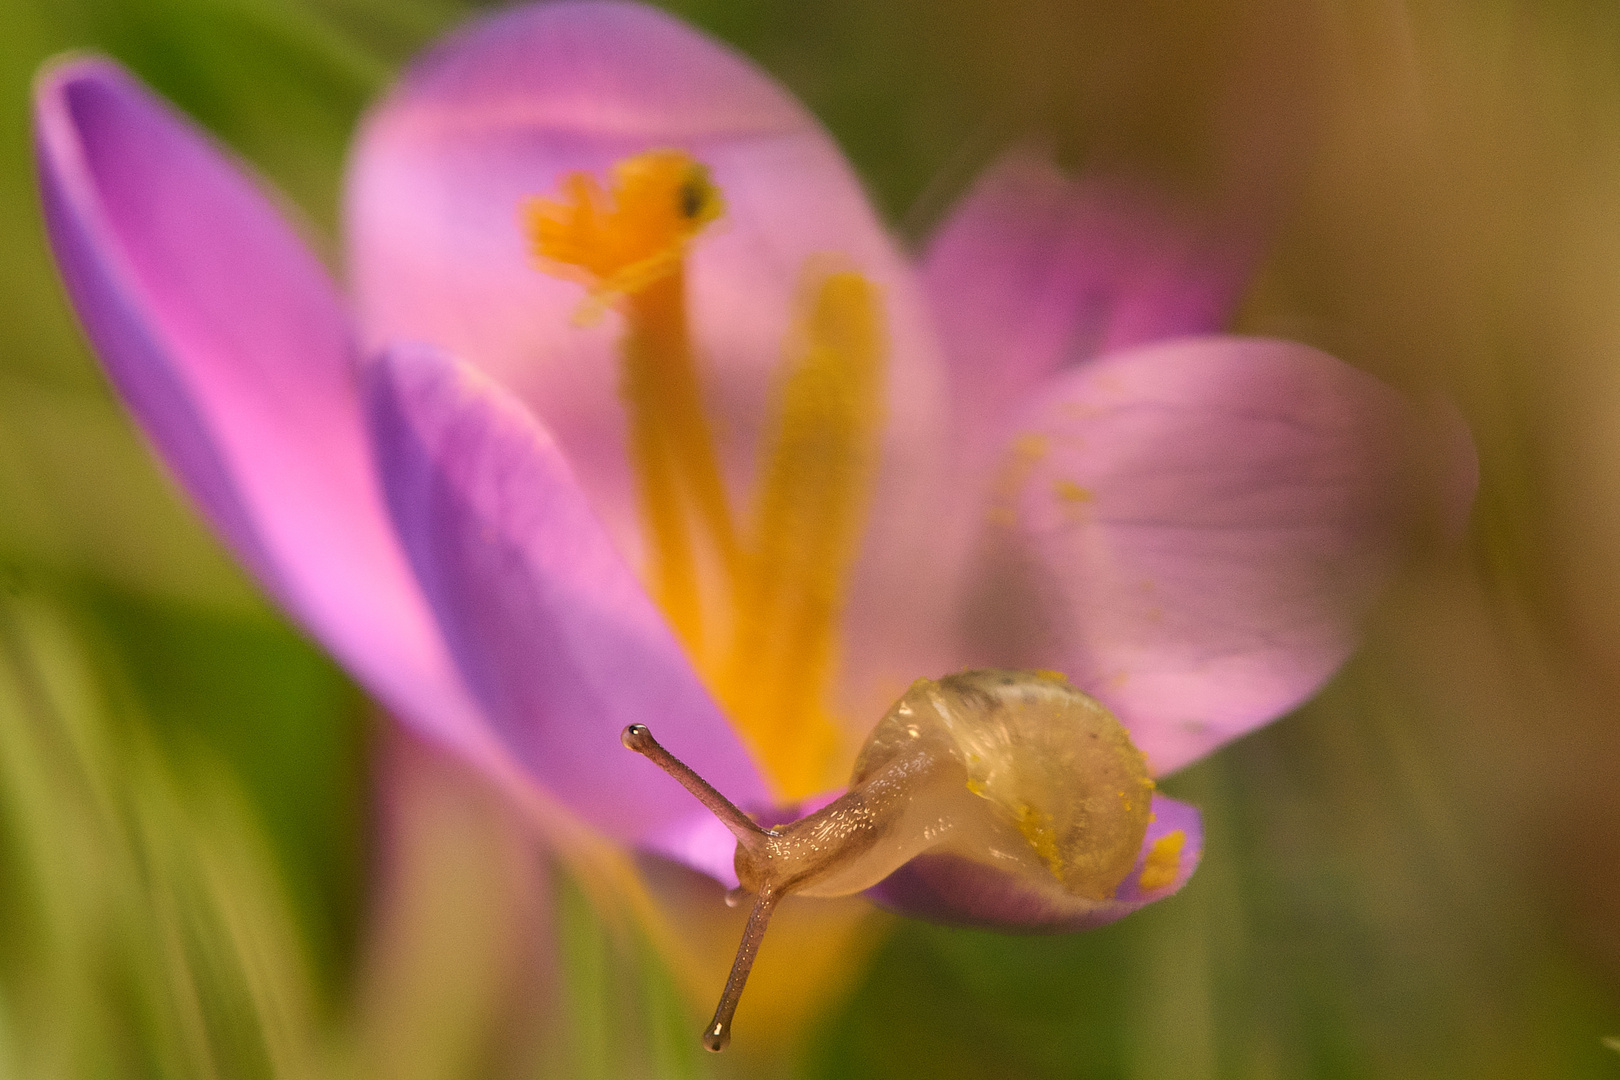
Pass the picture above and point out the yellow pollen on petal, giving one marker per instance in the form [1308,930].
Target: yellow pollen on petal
[1032,446]
[1163,861]
[1071,493]
[1026,452]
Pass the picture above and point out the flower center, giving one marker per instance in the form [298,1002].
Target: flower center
[756,603]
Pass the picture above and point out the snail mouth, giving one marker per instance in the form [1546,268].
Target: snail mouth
[755,598]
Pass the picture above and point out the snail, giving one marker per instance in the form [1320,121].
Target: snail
[1017,770]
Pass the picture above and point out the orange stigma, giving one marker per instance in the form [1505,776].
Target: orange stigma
[620,241]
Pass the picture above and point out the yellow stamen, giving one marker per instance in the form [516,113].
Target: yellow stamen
[779,597]
[671,567]
[628,246]
[808,512]
[673,451]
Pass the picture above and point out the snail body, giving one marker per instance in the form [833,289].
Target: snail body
[1015,770]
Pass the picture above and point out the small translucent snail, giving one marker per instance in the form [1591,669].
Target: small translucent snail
[1015,769]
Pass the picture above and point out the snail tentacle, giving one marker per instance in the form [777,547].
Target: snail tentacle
[748,832]
[718,1033]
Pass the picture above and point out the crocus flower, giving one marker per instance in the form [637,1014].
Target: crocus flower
[836,470]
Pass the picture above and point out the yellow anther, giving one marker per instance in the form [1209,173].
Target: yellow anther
[808,514]
[620,241]
[1163,861]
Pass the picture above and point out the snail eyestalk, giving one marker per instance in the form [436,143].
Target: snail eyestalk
[718,1034]
[637,737]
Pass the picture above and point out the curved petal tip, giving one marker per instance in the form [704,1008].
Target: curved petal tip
[598,67]
[1193,530]
[231,347]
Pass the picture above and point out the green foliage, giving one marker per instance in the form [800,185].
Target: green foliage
[1413,877]
[147,931]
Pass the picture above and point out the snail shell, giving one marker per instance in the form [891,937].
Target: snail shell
[1015,769]
[1053,783]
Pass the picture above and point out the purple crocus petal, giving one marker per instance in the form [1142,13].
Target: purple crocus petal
[1036,271]
[700,841]
[553,633]
[1191,530]
[229,345]
[499,112]
[956,891]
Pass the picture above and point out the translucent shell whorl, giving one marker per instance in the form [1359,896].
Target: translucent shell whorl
[1031,776]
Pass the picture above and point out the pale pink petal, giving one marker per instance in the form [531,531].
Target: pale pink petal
[960,892]
[1192,530]
[556,638]
[1036,271]
[227,341]
[700,841]
[499,112]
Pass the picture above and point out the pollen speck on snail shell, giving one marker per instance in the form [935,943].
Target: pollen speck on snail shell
[1053,786]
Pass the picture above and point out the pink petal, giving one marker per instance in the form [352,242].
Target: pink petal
[555,636]
[503,109]
[1200,524]
[1036,271]
[698,840]
[959,892]
[230,346]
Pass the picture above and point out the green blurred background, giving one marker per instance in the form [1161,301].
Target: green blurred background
[1416,875]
